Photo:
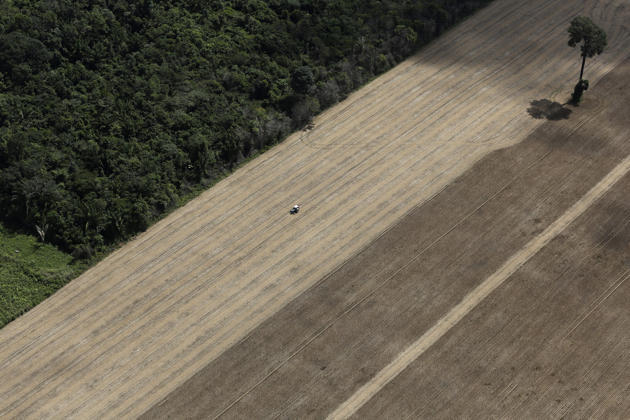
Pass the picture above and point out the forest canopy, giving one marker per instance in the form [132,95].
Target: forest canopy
[112,111]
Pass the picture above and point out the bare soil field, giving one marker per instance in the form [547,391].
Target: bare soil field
[552,342]
[127,333]
[323,347]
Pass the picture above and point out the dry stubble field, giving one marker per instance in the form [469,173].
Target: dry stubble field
[175,301]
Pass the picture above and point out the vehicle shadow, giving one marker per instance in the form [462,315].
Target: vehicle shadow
[552,111]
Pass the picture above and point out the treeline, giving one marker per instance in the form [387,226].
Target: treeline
[112,111]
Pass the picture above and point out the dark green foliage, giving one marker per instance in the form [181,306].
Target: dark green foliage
[112,111]
[579,89]
[302,79]
[593,38]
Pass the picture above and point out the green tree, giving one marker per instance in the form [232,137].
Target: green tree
[302,79]
[593,39]
[40,196]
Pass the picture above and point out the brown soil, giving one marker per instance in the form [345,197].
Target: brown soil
[552,342]
[554,332]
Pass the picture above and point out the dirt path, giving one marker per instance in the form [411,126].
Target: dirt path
[122,336]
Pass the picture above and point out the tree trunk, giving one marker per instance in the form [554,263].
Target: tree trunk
[41,231]
[582,69]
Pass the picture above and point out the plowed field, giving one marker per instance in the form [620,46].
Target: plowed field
[234,293]
[468,307]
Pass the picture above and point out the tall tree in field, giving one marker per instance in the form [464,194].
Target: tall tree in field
[593,39]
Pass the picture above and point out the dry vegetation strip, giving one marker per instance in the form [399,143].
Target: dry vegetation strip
[130,330]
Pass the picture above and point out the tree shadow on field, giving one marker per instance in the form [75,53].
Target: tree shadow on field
[544,108]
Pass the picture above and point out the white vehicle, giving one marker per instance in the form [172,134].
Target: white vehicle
[295,209]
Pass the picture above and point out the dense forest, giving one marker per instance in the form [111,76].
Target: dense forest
[113,111]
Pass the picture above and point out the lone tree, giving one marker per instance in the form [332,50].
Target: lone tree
[593,39]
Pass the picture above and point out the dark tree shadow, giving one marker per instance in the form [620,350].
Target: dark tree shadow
[544,108]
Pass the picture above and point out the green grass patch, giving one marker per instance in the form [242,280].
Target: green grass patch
[30,272]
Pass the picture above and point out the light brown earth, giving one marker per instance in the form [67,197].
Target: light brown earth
[121,337]
[442,270]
